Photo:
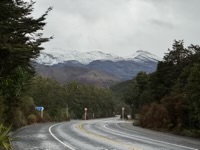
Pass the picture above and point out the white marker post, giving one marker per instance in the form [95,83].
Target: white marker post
[123,113]
[42,113]
[85,113]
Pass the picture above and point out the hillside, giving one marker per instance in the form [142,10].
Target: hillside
[66,74]
[94,68]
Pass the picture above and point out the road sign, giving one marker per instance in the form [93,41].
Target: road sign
[39,108]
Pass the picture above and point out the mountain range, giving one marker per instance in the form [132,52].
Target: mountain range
[95,67]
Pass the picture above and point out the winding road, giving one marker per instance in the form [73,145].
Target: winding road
[98,134]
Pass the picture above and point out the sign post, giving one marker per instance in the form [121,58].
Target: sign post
[123,113]
[41,110]
[42,114]
[85,113]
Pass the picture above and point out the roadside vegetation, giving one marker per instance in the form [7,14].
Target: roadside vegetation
[63,102]
[169,98]
[20,40]
[60,102]
[4,138]
[21,90]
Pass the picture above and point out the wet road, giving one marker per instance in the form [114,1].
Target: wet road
[99,134]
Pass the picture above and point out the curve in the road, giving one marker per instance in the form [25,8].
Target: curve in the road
[105,138]
[144,139]
[56,138]
[101,134]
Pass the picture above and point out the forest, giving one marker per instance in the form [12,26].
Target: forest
[168,98]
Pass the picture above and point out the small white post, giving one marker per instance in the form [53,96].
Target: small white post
[42,114]
[123,113]
[85,113]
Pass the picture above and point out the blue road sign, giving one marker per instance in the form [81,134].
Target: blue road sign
[39,108]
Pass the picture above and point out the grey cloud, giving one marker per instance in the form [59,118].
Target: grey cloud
[162,23]
[120,26]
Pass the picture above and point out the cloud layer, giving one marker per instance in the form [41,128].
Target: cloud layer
[120,26]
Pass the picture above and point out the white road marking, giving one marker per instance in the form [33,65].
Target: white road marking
[143,139]
[66,145]
[103,138]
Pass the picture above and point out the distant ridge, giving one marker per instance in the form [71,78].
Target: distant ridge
[61,56]
[94,68]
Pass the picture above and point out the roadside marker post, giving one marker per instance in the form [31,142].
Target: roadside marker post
[85,113]
[123,113]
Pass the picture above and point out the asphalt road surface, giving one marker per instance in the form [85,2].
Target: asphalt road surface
[99,134]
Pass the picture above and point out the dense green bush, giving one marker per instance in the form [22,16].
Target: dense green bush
[32,119]
[4,138]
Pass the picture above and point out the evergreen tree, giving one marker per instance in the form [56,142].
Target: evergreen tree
[20,40]
[195,50]
[193,95]
[177,55]
[171,67]
[136,94]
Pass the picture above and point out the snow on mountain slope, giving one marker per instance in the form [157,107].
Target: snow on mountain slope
[142,55]
[61,56]
[55,57]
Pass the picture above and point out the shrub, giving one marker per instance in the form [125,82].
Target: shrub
[32,119]
[136,123]
[19,119]
[4,138]
[154,116]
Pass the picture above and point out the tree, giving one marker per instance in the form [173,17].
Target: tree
[169,70]
[195,50]
[177,54]
[136,88]
[193,95]
[20,40]
[142,79]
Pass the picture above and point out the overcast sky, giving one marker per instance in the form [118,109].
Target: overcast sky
[120,26]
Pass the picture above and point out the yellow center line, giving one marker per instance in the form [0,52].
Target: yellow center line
[107,139]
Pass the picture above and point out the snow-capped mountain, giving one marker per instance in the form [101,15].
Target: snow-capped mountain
[142,55]
[95,67]
[62,56]
[51,58]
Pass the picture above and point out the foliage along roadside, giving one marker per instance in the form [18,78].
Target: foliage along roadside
[62,102]
[20,40]
[5,140]
[169,98]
